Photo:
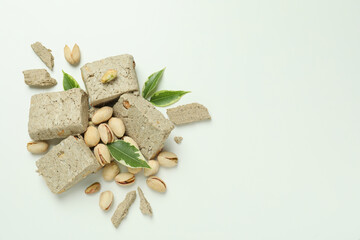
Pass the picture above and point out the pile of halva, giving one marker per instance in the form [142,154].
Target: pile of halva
[88,120]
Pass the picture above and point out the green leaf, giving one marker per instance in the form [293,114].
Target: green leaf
[152,83]
[127,154]
[166,97]
[69,82]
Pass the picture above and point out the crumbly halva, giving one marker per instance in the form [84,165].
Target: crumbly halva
[188,113]
[38,78]
[144,204]
[44,54]
[123,208]
[66,164]
[58,114]
[144,123]
[178,139]
[126,80]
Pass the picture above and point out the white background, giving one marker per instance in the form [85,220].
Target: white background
[279,160]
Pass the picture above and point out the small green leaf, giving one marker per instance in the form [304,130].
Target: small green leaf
[165,98]
[127,154]
[69,82]
[152,83]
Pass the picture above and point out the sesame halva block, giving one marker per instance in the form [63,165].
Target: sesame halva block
[38,78]
[66,164]
[58,114]
[44,54]
[188,113]
[144,123]
[126,80]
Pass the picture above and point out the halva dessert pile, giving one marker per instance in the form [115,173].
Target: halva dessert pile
[110,123]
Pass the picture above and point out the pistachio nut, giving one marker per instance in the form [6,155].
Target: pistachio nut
[125,179]
[131,141]
[102,154]
[134,170]
[167,159]
[105,200]
[154,168]
[155,183]
[92,136]
[110,171]
[93,188]
[37,147]
[102,115]
[126,104]
[75,53]
[108,76]
[106,134]
[72,56]
[117,126]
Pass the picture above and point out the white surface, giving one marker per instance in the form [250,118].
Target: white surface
[280,159]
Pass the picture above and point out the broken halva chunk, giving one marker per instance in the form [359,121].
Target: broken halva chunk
[144,123]
[44,54]
[188,113]
[178,139]
[144,204]
[66,164]
[38,78]
[58,114]
[125,81]
[123,208]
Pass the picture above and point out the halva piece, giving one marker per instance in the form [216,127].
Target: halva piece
[58,114]
[144,204]
[38,78]
[125,81]
[123,208]
[188,113]
[44,54]
[178,139]
[144,123]
[66,164]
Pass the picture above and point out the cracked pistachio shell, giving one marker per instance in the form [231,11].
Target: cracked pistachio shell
[102,154]
[106,134]
[167,159]
[156,183]
[125,179]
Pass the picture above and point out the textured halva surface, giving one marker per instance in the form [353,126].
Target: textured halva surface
[178,139]
[123,208]
[126,80]
[188,113]
[144,123]
[44,54]
[38,78]
[58,114]
[66,164]
[145,207]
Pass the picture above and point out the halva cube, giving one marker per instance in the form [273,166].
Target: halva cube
[125,81]
[58,114]
[144,123]
[66,164]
